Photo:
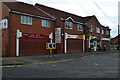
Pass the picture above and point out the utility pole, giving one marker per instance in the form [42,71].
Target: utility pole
[118,37]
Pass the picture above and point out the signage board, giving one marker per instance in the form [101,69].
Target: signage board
[106,39]
[57,35]
[50,45]
[75,36]
[32,35]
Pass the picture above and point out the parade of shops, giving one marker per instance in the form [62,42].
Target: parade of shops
[30,27]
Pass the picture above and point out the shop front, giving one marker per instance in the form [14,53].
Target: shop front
[95,43]
[74,43]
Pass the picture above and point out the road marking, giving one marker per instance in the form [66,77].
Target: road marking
[81,57]
[54,65]
[8,66]
[95,64]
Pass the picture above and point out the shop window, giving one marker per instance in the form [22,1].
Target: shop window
[91,44]
[80,27]
[45,23]
[26,20]
[98,42]
[68,25]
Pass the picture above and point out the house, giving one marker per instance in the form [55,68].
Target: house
[30,27]
[114,42]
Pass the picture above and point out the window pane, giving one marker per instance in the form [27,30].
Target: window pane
[22,20]
[29,20]
[45,23]
[66,24]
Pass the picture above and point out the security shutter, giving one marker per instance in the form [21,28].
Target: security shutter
[74,45]
[33,46]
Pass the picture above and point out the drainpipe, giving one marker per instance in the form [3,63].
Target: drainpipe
[63,36]
[8,47]
[85,33]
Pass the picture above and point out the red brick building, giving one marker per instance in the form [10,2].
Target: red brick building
[114,42]
[96,36]
[36,24]
[68,23]
[29,20]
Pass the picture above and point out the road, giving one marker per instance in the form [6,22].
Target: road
[92,66]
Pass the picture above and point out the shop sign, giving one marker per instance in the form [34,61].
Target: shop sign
[32,35]
[75,36]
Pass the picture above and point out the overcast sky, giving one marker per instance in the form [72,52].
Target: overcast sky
[105,10]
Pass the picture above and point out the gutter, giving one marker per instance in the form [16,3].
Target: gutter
[21,13]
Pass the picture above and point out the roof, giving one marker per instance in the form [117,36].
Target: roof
[59,13]
[25,8]
[65,15]
[87,18]
[107,27]
[116,36]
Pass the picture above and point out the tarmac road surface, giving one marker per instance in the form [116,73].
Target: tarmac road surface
[91,66]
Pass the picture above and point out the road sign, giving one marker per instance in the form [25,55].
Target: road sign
[50,45]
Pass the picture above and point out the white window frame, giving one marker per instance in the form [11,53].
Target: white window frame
[107,32]
[102,31]
[97,30]
[78,27]
[91,28]
[68,25]
[45,23]
[26,20]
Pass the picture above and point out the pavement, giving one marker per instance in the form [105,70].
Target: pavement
[44,58]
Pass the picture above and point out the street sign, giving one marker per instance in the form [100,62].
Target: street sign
[50,45]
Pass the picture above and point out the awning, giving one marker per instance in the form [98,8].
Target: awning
[97,38]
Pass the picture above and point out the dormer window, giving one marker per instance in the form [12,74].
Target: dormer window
[68,25]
